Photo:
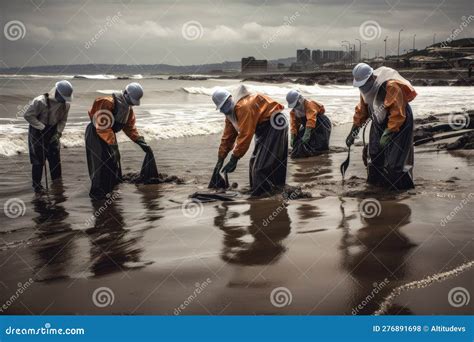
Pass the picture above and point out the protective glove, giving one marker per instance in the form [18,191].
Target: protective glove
[386,138]
[55,138]
[307,135]
[292,140]
[351,137]
[142,143]
[231,165]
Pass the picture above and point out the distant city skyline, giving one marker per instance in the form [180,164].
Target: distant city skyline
[201,32]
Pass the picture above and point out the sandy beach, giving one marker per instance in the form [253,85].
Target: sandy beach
[148,253]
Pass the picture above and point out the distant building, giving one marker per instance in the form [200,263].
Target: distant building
[252,65]
[333,55]
[303,56]
[316,56]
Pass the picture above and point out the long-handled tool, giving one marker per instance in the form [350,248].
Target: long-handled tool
[44,161]
[345,164]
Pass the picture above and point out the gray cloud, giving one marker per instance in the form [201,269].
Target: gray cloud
[145,31]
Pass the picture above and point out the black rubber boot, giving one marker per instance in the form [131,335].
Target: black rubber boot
[36,175]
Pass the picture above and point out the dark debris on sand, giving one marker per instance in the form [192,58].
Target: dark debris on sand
[428,119]
[294,192]
[431,128]
[465,142]
[136,178]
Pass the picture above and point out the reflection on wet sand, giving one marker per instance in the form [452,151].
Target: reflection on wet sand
[375,256]
[259,243]
[312,169]
[55,249]
[151,195]
[113,246]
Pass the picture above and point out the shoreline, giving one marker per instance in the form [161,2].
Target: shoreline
[418,77]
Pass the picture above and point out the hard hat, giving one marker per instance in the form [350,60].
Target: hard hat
[361,73]
[220,96]
[135,93]
[64,88]
[292,98]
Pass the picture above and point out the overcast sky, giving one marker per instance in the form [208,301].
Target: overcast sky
[48,32]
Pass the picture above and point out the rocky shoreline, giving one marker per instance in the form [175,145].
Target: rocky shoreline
[418,77]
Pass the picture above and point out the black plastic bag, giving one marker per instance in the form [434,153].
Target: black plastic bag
[149,170]
[217,181]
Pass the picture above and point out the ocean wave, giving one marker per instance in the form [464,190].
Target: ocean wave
[16,142]
[274,90]
[26,76]
[81,76]
[96,77]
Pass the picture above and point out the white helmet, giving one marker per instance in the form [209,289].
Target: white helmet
[361,73]
[220,96]
[135,93]
[64,88]
[292,98]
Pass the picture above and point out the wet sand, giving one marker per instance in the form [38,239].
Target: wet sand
[157,256]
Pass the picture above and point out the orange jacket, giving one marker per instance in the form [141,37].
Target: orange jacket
[396,99]
[106,104]
[250,111]
[312,109]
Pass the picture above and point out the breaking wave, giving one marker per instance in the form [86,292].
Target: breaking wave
[14,139]
[276,90]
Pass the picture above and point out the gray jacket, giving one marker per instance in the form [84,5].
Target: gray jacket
[38,115]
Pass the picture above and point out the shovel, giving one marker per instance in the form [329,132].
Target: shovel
[345,164]
[44,158]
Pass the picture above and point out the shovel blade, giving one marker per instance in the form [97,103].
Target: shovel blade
[345,164]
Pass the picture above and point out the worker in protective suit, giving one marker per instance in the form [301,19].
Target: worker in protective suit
[47,116]
[385,97]
[310,128]
[109,115]
[248,114]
